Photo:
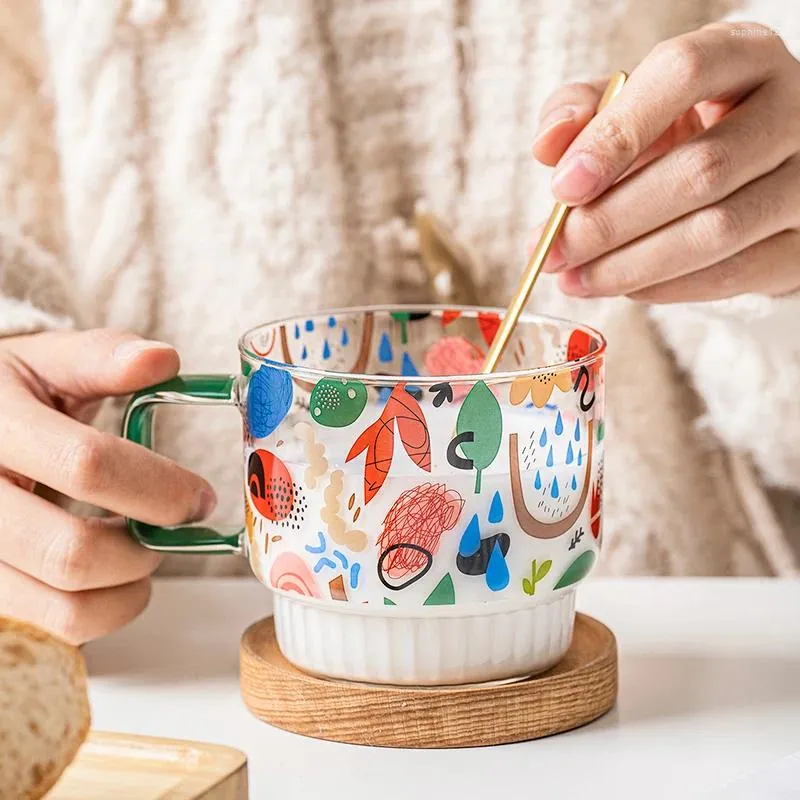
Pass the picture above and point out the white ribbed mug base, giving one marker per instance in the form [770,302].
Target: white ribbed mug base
[425,650]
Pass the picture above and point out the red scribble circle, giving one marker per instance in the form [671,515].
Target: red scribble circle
[418,517]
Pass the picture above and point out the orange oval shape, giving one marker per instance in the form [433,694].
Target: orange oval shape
[270,485]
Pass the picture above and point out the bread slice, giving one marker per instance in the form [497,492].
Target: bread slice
[44,709]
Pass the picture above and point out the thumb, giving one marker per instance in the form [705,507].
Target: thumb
[95,363]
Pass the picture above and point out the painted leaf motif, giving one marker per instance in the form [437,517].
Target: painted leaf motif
[378,440]
[403,318]
[480,415]
[411,426]
[577,570]
[527,586]
[543,569]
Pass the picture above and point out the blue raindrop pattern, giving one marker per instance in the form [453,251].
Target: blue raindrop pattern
[497,575]
[471,538]
[496,509]
[385,353]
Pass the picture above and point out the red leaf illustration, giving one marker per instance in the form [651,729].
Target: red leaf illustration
[378,440]
[411,426]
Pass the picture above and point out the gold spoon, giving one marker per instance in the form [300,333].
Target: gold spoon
[539,254]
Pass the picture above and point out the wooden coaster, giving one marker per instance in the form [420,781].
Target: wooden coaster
[582,687]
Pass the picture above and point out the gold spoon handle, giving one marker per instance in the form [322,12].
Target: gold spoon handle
[539,254]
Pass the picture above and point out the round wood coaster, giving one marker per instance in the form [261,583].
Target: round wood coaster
[579,689]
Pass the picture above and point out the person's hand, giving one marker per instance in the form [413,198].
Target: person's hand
[687,186]
[81,578]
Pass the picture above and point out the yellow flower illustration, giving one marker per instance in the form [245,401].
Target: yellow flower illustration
[539,387]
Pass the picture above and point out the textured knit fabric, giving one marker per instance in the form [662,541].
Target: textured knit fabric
[187,169]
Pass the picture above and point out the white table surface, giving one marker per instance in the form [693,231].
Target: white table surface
[709,692]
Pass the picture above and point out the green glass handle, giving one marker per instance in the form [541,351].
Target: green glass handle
[137,426]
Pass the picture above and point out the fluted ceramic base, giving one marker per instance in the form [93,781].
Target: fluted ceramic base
[444,648]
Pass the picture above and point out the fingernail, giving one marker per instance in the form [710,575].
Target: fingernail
[572,283]
[128,350]
[205,501]
[577,178]
[558,116]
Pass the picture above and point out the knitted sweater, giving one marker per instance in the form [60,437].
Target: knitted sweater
[187,169]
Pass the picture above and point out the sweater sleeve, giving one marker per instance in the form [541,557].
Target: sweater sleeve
[35,290]
[743,356]
[35,286]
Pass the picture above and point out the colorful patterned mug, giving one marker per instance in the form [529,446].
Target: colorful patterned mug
[419,523]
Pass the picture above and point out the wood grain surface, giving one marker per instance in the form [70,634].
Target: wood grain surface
[117,766]
[579,689]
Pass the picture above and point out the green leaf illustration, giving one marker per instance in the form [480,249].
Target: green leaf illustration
[403,318]
[443,594]
[542,571]
[480,415]
[388,602]
[577,570]
[537,573]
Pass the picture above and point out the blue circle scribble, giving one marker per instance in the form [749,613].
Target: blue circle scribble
[269,398]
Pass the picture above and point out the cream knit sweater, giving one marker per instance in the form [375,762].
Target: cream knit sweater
[187,168]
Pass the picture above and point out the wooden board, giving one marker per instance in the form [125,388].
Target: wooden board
[125,767]
[579,689]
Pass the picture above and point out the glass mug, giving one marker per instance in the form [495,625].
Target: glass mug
[419,523]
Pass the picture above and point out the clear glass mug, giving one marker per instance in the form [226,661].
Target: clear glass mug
[420,523]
